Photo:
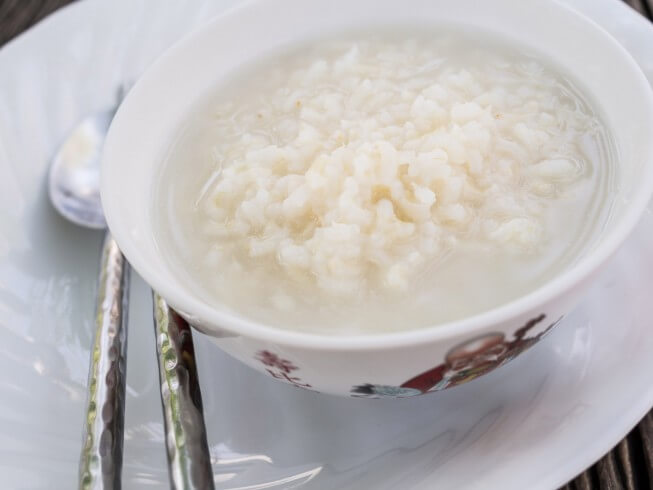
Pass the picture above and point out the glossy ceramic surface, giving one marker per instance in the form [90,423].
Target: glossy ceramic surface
[535,423]
[404,362]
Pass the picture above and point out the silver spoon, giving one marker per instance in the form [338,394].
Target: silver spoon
[74,189]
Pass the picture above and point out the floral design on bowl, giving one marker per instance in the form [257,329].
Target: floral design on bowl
[280,368]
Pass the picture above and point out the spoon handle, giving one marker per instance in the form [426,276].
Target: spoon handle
[101,459]
[189,461]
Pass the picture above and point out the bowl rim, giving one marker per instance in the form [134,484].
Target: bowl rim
[558,286]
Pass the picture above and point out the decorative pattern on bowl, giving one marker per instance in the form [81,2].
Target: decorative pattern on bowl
[463,363]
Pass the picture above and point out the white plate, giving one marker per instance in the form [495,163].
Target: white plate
[535,423]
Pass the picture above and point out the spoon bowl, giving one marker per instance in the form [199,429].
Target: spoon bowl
[74,176]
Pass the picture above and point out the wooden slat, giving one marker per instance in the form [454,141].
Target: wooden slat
[18,15]
[642,6]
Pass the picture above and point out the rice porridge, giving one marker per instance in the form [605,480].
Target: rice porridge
[383,182]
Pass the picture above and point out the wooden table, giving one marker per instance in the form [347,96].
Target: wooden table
[628,466]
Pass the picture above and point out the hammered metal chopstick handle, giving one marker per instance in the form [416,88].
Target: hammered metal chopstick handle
[189,461]
[101,458]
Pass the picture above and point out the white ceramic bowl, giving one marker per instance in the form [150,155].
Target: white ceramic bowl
[404,363]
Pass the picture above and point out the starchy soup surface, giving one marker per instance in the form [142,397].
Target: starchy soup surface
[383,182]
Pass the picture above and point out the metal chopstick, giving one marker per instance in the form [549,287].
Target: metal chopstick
[189,461]
[101,459]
